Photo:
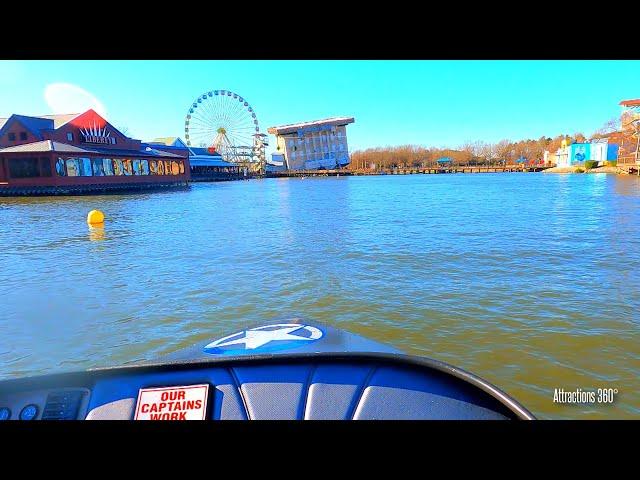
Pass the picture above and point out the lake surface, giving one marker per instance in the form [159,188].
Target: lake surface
[531,281]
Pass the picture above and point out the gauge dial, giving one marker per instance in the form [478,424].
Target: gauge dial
[29,412]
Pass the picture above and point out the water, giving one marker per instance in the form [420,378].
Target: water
[528,280]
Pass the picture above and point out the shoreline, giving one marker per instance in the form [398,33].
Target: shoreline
[578,169]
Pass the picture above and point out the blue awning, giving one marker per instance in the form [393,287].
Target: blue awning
[209,161]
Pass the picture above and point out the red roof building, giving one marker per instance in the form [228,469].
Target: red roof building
[631,103]
[80,153]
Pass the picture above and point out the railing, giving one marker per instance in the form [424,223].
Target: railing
[627,159]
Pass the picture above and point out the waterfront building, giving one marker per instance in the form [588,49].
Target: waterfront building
[320,144]
[80,153]
[205,163]
[598,150]
[603,151]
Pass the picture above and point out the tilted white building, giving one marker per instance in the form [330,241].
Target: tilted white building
[314,145]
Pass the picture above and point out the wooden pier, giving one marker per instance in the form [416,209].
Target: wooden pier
[409,171]
[629,164]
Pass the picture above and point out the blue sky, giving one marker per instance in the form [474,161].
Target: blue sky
[431,103]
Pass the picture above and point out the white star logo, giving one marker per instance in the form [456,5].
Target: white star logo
[257,337]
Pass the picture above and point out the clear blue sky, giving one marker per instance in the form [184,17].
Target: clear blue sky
[432,103]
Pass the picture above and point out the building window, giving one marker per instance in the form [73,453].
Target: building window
[153,167]
[102,167]
[12,137]
[24,168]
[98,167]
[60,168]
[128,166]
[73,169]
[108,166]
[117,167]
[79,167]
[23,135]
[70,137]
[45,167]
[86,170]
[144,167]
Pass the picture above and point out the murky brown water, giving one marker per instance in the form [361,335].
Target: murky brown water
[531,281]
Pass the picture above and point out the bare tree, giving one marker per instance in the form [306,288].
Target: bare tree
[469,150]
[503,150]
[579,137]
[610,126]
[488,152]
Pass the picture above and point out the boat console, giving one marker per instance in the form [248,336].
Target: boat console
[284,371]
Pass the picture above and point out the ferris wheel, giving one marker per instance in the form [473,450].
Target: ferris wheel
[224,122]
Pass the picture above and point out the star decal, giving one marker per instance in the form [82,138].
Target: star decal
[257,338]
[286,334]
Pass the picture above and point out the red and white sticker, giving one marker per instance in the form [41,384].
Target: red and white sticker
[173,403]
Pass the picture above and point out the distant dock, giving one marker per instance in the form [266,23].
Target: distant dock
[408,171]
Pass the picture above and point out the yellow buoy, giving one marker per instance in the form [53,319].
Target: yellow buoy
[95,217]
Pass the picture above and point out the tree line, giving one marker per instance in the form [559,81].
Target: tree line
[472,153]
